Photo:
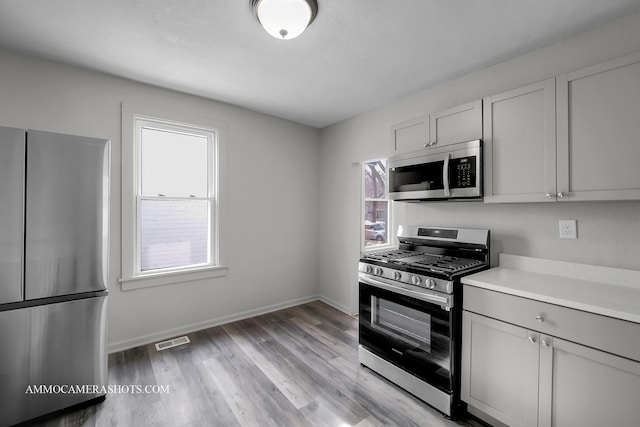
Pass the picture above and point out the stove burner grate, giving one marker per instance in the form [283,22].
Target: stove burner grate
[390,255]
[447,264]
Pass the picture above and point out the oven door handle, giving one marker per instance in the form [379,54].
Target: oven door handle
[444,301]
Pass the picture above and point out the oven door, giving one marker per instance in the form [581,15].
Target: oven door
[411,328]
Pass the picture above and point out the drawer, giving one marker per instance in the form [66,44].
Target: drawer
[608,334]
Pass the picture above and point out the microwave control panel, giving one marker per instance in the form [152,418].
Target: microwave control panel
[463,172]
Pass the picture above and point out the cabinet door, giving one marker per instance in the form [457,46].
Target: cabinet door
[580,386]
[458,124]
[12,157]
[520,144]
[410,136]
[500,369]
[598,131]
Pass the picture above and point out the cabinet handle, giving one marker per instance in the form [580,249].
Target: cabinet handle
[548,195]
[540,319]
[561,194]
[545,343]
[532,339]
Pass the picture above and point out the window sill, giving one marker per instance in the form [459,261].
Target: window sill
[172,278]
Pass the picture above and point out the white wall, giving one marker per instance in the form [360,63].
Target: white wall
[272,196]
[609,233]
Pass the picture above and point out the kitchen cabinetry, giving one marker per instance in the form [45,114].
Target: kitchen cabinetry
[451,126]
[572,137]
[411,135]
[500,369]
[581,386]
[598,131]
[526,364]
[458,124]
[520,144]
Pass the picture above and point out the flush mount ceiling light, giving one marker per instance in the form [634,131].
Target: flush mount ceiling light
[285,19]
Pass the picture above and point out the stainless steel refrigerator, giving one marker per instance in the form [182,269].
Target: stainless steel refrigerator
[54,193]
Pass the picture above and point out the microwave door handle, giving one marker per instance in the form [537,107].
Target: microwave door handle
[445,175]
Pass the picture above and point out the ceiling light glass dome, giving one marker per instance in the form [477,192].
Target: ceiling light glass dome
[285,19]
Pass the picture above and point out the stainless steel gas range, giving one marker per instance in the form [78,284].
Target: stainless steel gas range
[410,305]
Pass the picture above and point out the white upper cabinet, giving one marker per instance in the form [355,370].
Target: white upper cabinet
[520,144]
[451,126]
[458,124]
[598,114]
[411,135]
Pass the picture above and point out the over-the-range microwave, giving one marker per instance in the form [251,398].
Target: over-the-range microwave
[443,173]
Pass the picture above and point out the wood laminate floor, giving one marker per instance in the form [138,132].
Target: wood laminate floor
[294,367]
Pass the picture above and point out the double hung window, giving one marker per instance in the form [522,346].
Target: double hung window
[175,198]
[170,201]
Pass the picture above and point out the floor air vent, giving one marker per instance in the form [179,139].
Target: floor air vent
[172,343]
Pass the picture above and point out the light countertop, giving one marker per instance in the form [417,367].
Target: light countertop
[602,290]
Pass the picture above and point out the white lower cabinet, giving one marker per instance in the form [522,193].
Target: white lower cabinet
[522,377]
[500,369]
[581,386]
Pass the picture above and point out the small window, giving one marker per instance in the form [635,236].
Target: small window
[376,204]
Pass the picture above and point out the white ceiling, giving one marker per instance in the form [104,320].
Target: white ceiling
[357,55]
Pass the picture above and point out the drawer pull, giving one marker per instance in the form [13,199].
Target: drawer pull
[532,339]
[540,319]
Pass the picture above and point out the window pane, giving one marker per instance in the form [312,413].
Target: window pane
[173,164]
[173,233]
[375,224]
[375,178]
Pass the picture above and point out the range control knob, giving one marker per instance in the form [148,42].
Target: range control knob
[416,280]
[431,284]
[368,269]
[379,271]
[397,275]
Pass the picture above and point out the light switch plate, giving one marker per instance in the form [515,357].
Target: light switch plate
[568,228]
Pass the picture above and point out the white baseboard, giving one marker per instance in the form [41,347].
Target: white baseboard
[186,329]
[336,305]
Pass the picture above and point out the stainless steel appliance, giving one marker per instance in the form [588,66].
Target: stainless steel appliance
[410,305]
[449,172]
[54,192]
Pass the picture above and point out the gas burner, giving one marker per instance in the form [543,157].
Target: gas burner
[390,255]
[447,264]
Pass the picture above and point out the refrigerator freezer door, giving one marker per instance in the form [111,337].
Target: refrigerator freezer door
[66,214]
[49,345]
[12,152]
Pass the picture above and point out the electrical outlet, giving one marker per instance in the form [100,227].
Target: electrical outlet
[568,228]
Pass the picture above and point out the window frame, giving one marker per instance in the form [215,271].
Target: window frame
[134,118]
[363,203]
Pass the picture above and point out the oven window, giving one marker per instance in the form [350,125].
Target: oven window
[403,323]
